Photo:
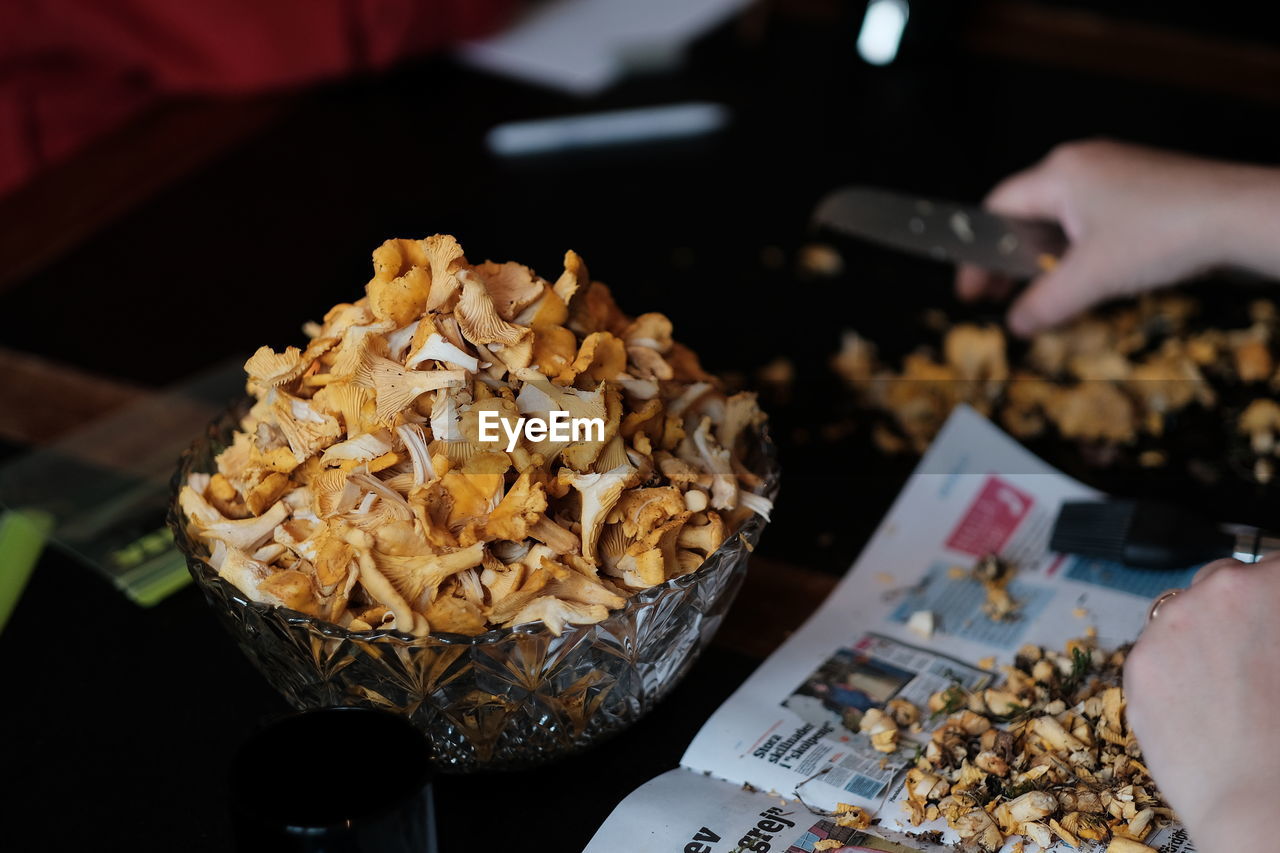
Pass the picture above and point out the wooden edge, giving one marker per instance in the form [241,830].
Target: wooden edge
[776,598]
[41,400]
[1101,44]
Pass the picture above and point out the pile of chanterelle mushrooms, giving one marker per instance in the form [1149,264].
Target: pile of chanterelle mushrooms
[365,486]
[1113,377]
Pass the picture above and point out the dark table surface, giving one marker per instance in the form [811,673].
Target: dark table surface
[120,722]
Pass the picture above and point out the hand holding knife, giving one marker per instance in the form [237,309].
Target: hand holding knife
[944,230]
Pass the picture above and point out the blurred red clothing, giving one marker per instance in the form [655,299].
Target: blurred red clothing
[73,69]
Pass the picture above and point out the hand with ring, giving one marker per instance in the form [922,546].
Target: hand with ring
[1203,689]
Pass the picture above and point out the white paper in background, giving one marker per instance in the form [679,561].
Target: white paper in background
[584,46]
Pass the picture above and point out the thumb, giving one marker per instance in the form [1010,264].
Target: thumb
[1078,281]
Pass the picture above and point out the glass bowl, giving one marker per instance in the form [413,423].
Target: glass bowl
[506,699]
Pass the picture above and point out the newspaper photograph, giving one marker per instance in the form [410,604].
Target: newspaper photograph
[907,621]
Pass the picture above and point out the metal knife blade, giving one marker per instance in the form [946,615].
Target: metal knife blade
[944,230]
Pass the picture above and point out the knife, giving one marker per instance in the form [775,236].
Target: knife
[944,230]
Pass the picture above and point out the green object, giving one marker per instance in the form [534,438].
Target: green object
[150,569]
[22,537]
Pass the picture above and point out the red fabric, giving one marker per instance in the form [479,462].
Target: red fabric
[73,69]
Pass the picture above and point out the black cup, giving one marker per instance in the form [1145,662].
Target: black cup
[336,780]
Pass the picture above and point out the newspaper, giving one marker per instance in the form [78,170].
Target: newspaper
[750,780]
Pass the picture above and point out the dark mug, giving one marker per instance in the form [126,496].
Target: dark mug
[334,780]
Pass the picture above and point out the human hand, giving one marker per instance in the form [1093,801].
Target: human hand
[1136,218]
[1203,691]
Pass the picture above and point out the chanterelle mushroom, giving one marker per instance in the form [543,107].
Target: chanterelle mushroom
[1108,379]
[362,487]
[599,493]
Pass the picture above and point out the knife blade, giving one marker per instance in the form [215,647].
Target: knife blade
[944,230]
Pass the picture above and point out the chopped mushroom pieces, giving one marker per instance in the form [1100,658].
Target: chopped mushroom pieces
[404,471]
[994,573]
[852,817]
[1046,754]
[1115,382]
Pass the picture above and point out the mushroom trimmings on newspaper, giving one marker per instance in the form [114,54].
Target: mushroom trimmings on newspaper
[365,486]
[1044,756]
